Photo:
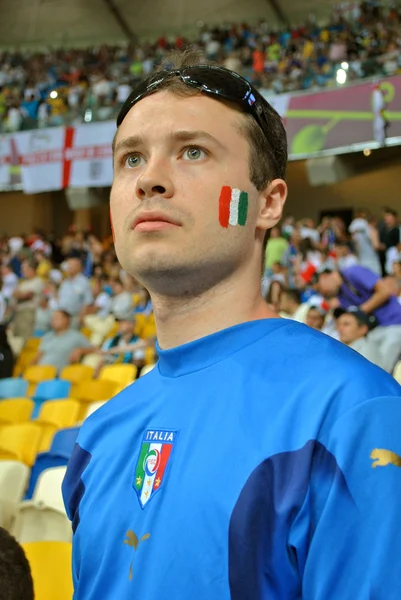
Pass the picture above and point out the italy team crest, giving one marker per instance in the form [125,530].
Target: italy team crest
[155,453]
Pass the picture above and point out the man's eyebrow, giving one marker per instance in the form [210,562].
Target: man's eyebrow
[128,143]
[134,141]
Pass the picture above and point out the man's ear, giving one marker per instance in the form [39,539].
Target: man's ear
[271,204]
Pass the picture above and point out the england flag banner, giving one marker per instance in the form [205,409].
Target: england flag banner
[5,160]
[56,158]
[41,155]
[90,155]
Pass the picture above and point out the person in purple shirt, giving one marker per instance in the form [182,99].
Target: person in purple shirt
[361,287]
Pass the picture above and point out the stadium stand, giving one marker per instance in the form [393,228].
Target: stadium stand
[75,85]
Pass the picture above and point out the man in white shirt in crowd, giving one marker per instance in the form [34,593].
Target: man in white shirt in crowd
[10,281]
[26,299]
[75,293]
[353,325]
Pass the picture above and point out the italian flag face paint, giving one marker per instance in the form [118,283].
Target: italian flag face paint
[233,207]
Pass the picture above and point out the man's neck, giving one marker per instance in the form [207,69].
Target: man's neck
[183,320]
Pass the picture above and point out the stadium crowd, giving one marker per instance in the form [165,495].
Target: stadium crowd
[73,294]
[75,85]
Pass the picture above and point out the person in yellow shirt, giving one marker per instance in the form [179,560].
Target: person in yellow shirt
[44,265]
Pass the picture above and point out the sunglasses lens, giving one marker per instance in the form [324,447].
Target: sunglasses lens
[138,92]
[217,81]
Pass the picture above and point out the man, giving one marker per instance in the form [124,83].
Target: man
[353,326]
[291,307]
[10,281]
[15,573]
[234,469]
[75,292]
[26,298]
[57,347]
[315,318]
[276,247]
[358,286]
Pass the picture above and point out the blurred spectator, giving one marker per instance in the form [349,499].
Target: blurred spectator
[58,346]
[75,292]
[366,242]
[26,298]
[291,307]
[15,573]
[56,87]
[357,286]
[315,317]
[276,247]
[353,326]
[9,279]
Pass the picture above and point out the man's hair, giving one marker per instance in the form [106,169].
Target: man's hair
[15,573]
[31,262]
[268,157]
[391,211]
[292,294]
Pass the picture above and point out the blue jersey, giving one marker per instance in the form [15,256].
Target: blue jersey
[262,462]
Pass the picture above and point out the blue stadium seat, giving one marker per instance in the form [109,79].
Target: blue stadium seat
[50,390]
[58,456]
[13,387]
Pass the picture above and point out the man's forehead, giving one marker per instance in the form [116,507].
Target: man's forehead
[165,113]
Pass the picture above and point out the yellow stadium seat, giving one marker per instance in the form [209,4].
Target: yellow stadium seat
[150,355]
[20,442]
[37,373]
[15,410]
[76,374]
[50,564]
[86,332]
[55,415]
[24,361]
[123,374]
[95,390]
[32,344]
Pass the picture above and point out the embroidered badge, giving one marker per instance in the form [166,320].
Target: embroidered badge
[155,453]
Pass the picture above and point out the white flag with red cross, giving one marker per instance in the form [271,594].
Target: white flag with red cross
[56,158]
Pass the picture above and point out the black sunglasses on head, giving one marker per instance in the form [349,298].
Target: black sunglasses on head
[215,81]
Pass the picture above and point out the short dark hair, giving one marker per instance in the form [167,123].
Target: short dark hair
[293,294]
[15,573]
[391,211]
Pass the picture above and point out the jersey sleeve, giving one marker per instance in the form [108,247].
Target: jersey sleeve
[355,548]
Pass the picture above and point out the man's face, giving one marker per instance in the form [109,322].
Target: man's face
[314,319]
[59,321]
[183,150]
[126,327]
[350,329]
[390,220]
[73,266]
[328,285]
[27,271]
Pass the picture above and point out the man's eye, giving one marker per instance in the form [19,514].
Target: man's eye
[133,160]
[194,153]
